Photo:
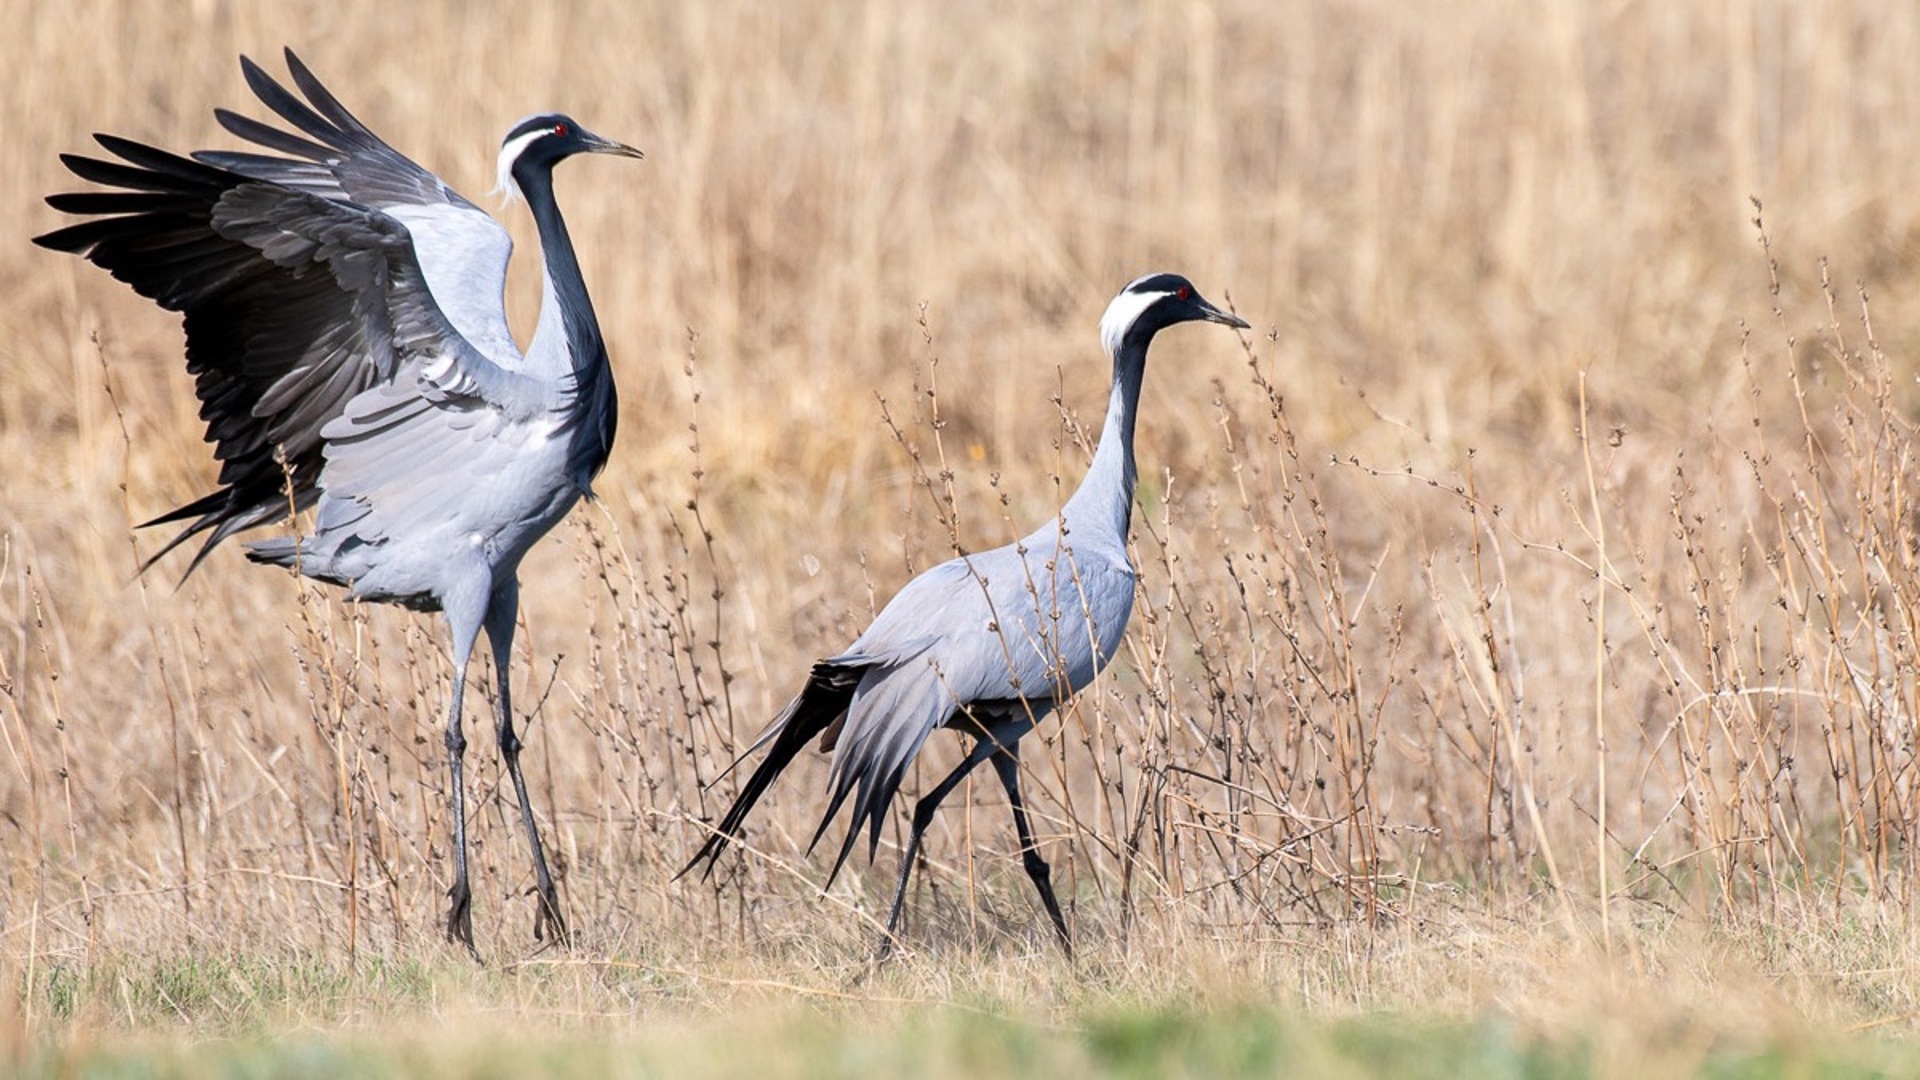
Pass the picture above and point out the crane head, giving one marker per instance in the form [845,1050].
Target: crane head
[545,139]
[1152,303]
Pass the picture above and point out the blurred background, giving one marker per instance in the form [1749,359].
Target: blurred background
[1548,532]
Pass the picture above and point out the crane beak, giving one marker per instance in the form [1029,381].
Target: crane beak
[598,145]
[1214,314]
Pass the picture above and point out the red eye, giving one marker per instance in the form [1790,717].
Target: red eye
[559,129]
[1183,292]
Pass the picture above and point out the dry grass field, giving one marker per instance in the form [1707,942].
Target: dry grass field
[1525,671]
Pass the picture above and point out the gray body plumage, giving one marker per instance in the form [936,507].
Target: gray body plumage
[996,639]
[347,334]
[990,643]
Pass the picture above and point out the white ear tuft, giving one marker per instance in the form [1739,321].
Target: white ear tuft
[1125,310]
[504,185]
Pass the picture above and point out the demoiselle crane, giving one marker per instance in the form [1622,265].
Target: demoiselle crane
[347,335]
[985,644]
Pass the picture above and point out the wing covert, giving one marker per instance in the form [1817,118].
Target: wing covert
[297,297]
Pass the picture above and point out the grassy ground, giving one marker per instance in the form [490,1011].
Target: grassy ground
[1523,675]
[1458,996]
[942,1042]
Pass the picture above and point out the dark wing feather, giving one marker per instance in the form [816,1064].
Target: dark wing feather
[282,329]
[266,135]
[822,701]
[460,250]
[297,293]
[333,154]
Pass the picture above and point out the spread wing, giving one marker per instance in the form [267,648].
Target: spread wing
[304,282]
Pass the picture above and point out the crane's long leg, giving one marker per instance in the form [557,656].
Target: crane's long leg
[1006,764]
[922,817]
[460,912]
[500,624]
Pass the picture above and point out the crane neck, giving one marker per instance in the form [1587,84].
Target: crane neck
[567,338]
[1104,501]
[567,346]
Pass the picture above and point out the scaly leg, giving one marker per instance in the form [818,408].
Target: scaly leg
[1001,736]
[500,626]
[460,912]
[1006,764]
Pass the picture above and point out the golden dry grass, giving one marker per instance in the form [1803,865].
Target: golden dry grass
[1536,586]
